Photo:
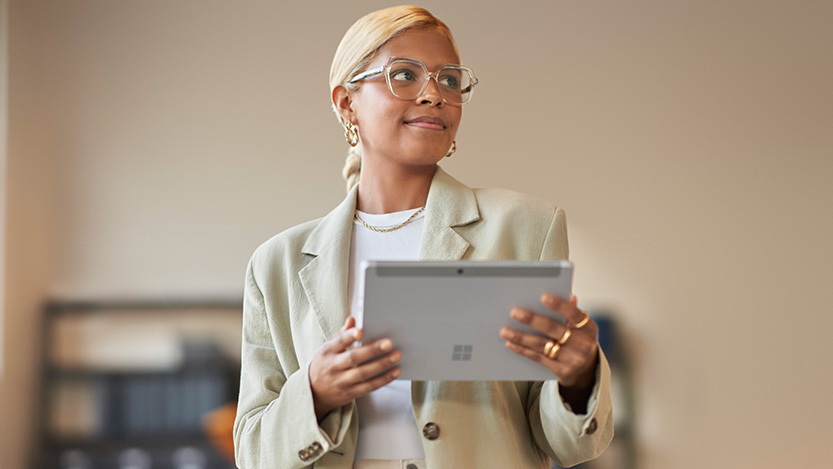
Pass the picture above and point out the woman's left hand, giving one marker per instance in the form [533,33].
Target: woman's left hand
[572,352]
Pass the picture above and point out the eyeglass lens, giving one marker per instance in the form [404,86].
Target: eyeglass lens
[407,79]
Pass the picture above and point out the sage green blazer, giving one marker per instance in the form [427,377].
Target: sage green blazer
[296,298]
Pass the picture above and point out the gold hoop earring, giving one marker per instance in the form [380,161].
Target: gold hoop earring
[351,133]
[452,150]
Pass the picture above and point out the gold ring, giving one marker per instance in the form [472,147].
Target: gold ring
[554,352]
[564,338]
[583,322]
[548,347]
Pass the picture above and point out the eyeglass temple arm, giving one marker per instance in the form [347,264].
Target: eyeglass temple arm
[367,74]
[470,87]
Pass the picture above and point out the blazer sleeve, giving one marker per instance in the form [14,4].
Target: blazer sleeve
[276,426]
[566,437]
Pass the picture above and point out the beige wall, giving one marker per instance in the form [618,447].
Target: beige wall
[153,145]
[4,127]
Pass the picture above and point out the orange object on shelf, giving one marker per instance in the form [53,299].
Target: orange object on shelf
[219,427]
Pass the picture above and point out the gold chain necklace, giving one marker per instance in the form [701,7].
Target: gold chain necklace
[392,228]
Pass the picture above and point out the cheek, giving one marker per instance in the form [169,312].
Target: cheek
[382,125]
[456,117]
[383,115]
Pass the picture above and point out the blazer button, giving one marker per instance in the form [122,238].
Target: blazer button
[431,431]
[310,451]
[591,428]
[316,448]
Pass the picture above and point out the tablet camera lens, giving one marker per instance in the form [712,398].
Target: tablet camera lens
[460,271]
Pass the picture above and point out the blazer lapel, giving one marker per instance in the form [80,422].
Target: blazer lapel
[324,278]
[450,204]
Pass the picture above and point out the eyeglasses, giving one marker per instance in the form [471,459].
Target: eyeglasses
[408,78]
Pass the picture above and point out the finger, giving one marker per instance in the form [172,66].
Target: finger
[543,324]
[564,366]
[556,367]
[373,369]
[359,355]
[343,340]
[528,353]
[574,300]
[530,341]
[577,347]
[349,323]
[566,309]
[375,383]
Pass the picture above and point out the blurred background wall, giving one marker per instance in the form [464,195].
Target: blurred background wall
[152,145]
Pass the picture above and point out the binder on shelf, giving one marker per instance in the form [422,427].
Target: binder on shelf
[136,375]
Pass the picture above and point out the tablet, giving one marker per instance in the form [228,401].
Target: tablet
[445,317]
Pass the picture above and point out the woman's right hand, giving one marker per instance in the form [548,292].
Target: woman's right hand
[338,374]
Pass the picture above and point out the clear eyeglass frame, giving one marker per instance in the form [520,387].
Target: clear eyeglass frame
[466,92]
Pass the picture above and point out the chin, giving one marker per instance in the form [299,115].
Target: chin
[423,162]
[421,155]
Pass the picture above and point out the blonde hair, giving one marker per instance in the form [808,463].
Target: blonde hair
[358,47]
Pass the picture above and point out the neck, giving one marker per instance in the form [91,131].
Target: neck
[386,191]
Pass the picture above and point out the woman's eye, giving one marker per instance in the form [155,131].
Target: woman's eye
[403,75]
[450,81]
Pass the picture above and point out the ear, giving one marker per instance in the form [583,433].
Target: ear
[343,102]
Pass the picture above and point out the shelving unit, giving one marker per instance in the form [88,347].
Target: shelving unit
[127,384]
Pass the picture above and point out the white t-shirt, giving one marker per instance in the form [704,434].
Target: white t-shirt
[387,428]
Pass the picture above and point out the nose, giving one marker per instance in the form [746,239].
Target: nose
[431,93]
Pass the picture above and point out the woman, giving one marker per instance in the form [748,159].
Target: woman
[308,394]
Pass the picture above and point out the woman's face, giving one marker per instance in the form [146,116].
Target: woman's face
[410,132]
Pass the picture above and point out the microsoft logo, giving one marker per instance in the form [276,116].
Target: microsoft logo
[462,353]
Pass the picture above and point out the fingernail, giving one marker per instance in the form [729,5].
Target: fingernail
[507,333]
[385,345]
[396,373]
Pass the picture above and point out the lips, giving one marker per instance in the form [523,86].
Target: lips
[427,122]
